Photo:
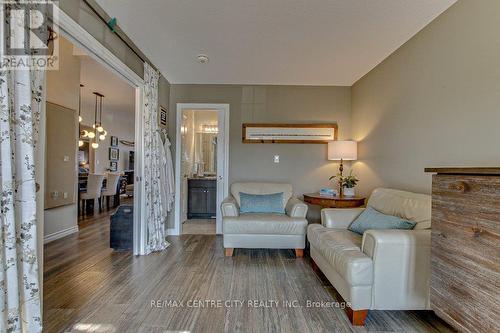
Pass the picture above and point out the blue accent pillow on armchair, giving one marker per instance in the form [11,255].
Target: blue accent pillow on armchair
[261,203]
[373,219]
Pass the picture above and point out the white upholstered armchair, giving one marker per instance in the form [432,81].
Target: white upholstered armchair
[382,269]
[264,231]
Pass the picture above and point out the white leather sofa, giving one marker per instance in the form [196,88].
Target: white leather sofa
[383,269]
[264,231]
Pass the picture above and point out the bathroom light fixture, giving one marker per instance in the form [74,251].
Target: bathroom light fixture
[209,129]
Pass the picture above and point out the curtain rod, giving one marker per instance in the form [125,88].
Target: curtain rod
[118,35]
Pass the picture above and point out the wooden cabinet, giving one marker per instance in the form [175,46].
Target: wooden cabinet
[465,252]
[202,198]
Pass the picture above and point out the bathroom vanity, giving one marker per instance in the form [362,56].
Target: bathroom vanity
[202,198]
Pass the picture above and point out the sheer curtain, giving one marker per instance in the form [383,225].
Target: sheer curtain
[21,93]
[154,157]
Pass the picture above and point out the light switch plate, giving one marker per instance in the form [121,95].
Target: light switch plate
[65,195]
[276,158]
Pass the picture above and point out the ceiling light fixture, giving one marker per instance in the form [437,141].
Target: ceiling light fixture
[202,58]
[80,141]
[100,133]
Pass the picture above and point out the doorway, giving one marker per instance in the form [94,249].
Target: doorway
[202,167]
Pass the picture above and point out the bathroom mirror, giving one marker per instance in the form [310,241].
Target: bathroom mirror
[206,152]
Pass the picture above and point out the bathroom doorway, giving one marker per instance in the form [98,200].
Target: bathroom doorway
[201,167]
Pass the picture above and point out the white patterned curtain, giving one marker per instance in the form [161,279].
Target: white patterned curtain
[156,203]
[20,102]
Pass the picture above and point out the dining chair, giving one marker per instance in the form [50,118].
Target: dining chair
[94,188]
[111,189]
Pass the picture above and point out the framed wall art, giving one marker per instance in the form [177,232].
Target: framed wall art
[113,165]
[114,141]
[114,154]
[163,117]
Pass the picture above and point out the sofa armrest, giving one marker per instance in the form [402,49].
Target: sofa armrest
[339,218]
[296,208]
[230,207]
[401,267]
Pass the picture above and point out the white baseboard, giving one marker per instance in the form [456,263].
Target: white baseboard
[60,234]
[172,232]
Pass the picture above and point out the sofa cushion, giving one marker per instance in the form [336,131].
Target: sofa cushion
[262,203]
[406,205]
[372,219]
[261,188]
[342,249]
[273,224]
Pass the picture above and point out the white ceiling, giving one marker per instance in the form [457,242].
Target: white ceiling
[295,42]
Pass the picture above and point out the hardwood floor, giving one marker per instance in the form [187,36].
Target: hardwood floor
[199,227]
[90,288]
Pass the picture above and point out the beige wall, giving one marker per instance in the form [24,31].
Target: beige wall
[303,165]
[434,102]
[62,89]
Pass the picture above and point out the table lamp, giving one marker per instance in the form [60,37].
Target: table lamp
[342,151]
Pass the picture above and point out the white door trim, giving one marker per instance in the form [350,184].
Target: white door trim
[71,30]
[224,110]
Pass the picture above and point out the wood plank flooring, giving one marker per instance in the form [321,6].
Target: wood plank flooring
[90,288]
[199,227]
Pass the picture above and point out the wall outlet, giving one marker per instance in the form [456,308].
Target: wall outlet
[54,194]
[65,195]
[66,158]
[276,159]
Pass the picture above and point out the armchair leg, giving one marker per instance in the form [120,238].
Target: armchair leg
[299,253]
[229,251]
[356,317]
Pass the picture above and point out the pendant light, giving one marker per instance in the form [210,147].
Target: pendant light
[92,135]
[80,141]
[100,133]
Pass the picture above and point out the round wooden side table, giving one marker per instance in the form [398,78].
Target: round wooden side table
[333,201]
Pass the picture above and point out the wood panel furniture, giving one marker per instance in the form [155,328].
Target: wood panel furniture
[202,198]
[334,201]
[465,252]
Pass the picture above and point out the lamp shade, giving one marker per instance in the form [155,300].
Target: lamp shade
[345,150]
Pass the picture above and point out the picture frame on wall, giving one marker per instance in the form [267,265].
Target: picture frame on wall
[114,154]
[114,141]
[113,165]
[163,117]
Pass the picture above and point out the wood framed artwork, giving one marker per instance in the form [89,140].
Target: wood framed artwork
[289,133]
[163,117]
[113,165]
[114,141]
[114,154]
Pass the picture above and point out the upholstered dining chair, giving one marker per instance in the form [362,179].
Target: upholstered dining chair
[112,180]
[94,188]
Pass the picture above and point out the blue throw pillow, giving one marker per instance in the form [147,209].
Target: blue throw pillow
[373,219]
[261,203]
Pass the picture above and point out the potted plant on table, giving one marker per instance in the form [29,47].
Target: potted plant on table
[346,184]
